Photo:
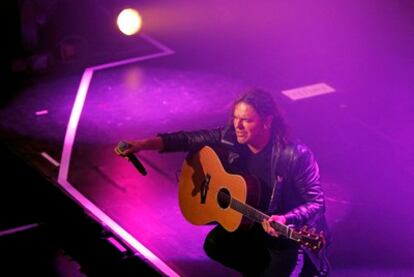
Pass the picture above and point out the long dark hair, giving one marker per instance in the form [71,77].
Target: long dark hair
[265,105]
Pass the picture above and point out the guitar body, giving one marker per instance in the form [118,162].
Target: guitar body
[203,182]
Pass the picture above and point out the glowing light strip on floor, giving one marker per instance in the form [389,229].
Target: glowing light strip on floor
[99,215]
[67,152]
[18,229]
[50,159]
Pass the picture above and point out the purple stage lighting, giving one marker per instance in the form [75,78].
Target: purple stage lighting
[129,22]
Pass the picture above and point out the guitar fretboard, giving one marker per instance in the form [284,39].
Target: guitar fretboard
[258,216]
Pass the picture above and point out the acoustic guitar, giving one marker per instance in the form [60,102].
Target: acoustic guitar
[207,194]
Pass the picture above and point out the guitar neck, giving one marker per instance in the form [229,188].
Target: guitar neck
[258,216]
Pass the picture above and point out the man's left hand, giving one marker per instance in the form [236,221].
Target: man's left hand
[268,228]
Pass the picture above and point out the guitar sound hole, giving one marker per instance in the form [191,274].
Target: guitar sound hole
[223,198]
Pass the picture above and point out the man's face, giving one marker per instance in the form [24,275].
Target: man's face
[248,124]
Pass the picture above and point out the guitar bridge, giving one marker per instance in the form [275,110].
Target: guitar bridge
[204,188]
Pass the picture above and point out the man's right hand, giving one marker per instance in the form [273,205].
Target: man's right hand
[155,143]
[134,146]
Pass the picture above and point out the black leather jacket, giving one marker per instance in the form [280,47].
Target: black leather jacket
[296,192]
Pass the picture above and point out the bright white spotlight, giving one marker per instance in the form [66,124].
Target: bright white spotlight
[129,22]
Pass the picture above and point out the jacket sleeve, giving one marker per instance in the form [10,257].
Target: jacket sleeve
[305,178]
[189,141]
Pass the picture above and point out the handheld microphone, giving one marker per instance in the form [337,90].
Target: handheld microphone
[123,145]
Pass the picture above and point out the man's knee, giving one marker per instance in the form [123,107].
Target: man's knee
[211,248]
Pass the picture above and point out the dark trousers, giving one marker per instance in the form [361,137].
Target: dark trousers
[252,252]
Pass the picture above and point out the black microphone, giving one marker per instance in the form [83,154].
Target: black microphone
[123,145]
